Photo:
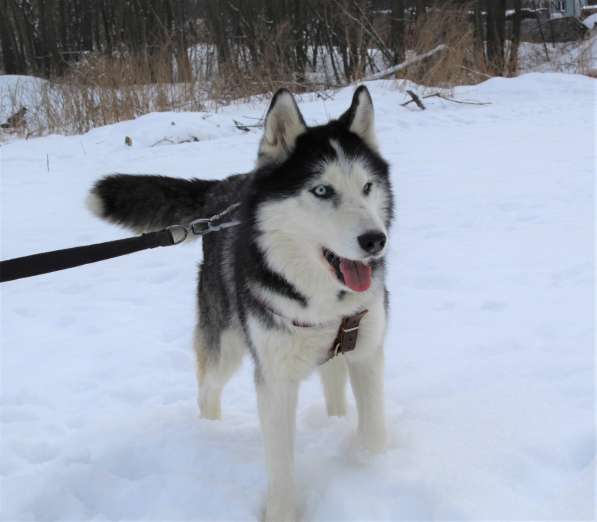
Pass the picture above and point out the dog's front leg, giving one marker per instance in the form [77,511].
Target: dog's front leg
[366,379]
[277,411]
[334,375]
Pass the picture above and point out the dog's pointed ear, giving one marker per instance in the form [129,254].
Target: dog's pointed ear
[284,123]
[360,117]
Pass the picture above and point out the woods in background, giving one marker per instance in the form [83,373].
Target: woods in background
[44,37]
[283,38]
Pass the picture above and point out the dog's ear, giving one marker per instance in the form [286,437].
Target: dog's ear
[284,123]
[360,117]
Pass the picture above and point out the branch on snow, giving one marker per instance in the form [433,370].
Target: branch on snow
[417,100]
[407,63]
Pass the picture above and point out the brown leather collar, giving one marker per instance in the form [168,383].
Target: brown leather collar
[348,333]
[346,338]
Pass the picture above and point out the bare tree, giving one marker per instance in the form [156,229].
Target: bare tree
[398,30]
[515,38]
[496,33]
[420,10]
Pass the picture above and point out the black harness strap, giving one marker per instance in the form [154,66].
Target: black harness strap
[47,262]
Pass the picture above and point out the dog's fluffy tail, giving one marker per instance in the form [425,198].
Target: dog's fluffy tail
[146,203]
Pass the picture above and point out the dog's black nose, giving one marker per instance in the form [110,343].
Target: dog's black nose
[372,241]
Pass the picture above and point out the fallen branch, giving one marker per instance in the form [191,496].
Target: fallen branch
[435,94]
[258,118]
[415,99]
[407,63]
[325,96]
[166,140]
[488,76]
[246,127]
[439,95]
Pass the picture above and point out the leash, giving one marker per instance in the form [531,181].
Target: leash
[47,262]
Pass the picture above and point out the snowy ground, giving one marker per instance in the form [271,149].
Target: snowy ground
[570,57]
[489,353]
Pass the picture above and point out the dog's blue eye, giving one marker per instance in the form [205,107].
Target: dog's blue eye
[367,188]
[323,191]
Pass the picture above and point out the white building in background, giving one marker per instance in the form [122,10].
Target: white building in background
[572,7]
[567,7]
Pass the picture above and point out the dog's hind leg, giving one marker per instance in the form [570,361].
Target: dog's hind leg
[215,366]
[334,375]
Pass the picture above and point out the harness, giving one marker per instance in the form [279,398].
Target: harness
[346,338]
[348,333]
[47,262]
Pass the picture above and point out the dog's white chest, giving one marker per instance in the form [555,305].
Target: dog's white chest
[293,352]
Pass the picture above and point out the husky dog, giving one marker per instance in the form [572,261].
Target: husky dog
[309,252]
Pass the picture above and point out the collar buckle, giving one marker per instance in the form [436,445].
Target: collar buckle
[348,334]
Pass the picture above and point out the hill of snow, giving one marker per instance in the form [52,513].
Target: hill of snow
[489,351]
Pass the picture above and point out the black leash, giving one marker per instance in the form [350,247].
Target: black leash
[47,262]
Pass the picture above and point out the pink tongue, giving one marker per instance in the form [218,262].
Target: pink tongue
[357,276]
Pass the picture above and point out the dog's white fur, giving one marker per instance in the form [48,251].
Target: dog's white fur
[363,122]
[94,204]
[283,125]
[297,256]
[299,238]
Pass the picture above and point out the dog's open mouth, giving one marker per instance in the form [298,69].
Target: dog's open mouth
[354,274]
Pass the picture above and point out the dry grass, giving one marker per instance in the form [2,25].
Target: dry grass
[101,90]
[461,64]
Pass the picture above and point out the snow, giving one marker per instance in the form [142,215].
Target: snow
[590,21]
[570,57]
[489,379]
[20,87]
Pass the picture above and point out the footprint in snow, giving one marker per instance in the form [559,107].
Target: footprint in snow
[13,414]
[493,306]
[24,312]
[37,452]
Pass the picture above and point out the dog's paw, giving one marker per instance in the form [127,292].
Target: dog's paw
[280,508]
[373,441]
[336,409]
[272,515]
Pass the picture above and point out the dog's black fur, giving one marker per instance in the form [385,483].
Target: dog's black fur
[235,263]
[145,203]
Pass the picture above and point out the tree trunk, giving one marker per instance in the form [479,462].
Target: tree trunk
[515,40]
[496,28]
[479,40]
[216,21]
[420,11]
[397,28]
[53,60]
[87,26]
[12,64]
[24,37]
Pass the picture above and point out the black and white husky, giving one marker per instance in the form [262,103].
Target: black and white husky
[309,252]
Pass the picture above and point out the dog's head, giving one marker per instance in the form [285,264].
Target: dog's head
[324,193]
